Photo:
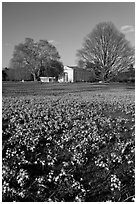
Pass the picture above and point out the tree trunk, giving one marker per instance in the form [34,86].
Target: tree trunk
[38,73]
[34,77]
[102,76]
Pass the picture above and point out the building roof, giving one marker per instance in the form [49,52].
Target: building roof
[73,67]
[78,68]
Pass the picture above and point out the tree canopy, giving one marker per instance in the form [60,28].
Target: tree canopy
[52,68]
[34,55]
[106,50]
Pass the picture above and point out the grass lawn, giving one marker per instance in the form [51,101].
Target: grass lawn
[37,88]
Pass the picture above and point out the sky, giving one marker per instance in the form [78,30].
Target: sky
[64,24]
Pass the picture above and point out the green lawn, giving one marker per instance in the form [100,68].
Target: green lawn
[37,88]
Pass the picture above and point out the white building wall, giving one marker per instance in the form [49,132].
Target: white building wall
[44,79]
[70,72]
[47,79]
[61,79]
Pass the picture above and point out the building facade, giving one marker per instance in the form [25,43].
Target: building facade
[47,79]
[75,74]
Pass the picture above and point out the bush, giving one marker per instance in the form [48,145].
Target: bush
[68,149]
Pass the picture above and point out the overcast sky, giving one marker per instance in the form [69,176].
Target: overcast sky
[64,24]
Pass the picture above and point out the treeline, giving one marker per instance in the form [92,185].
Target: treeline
[128,76]
[52,68]
[16,74]
[24,74]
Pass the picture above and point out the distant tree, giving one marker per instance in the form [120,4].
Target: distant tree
[4,74]
[82,64]
[52,68]
[33,55]
[106,50]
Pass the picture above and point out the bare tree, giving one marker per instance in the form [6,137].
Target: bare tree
[107,50]
[33,55]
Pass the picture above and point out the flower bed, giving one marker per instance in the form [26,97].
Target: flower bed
[74,148]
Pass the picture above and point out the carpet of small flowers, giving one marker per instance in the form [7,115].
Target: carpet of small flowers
[71,148]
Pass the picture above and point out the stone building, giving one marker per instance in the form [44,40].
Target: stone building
[75,74]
